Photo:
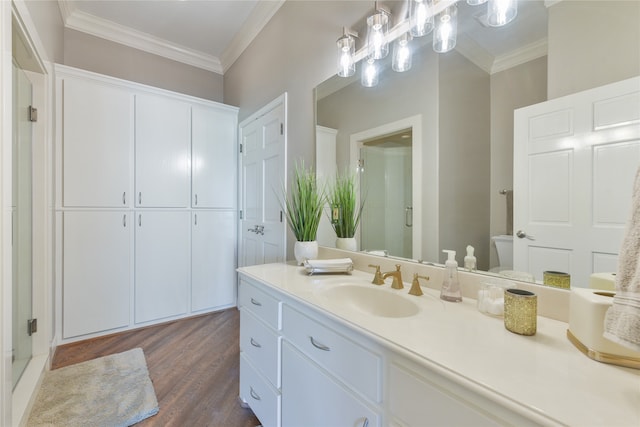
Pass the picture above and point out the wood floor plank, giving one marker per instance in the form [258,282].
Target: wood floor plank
[193,364]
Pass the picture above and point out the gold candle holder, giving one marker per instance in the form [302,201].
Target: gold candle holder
[520,311]
[557,279]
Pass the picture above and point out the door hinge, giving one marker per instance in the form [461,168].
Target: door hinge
[32,326]
[281,128]
[241,148]
[33,114]
[241,214]
[361,163]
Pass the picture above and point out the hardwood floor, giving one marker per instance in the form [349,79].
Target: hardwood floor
[193,364]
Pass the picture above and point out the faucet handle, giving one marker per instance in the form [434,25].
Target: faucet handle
[415,285]
[377,276]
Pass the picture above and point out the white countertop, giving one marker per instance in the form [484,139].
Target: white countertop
[543,376]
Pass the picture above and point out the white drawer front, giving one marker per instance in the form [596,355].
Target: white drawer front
[260,345]
[263,399]
[356,366]
[259,303]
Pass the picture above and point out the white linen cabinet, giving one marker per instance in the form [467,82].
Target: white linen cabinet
[145,205]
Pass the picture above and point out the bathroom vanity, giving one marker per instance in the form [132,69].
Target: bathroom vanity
[338,350]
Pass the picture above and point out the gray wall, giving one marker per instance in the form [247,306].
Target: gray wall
[592,43]
[91,53]
[45,15]
[464,158]
[514,88]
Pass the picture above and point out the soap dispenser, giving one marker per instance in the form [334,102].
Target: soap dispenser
[470,259]
[450,286]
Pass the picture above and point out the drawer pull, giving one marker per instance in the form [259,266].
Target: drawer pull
[255,343]
[254,394]
[254,302]
[318,345]
[366,422]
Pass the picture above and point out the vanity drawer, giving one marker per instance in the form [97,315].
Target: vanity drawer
[352,364]
[263,399]
[264,306]
[260,345]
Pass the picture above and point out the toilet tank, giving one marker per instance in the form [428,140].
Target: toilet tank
[504,247]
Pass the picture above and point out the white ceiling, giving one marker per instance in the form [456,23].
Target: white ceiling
[211,34]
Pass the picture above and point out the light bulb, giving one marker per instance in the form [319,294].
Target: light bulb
[501,12]
[419,17]
[402,53]
[446,29]
[377,26]
[346,52]
[369,77]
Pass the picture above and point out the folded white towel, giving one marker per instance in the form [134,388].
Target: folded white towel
[622,321]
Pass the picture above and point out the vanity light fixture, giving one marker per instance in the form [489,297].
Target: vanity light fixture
[402,53]
[501,12]
[420,17]
[347,51]
[369,76]
[377,29]
[446,30]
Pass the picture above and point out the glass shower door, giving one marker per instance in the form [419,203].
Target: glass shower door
[21,223]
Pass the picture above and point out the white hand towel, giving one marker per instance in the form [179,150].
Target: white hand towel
[622,321]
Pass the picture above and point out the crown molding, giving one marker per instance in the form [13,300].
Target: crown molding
[475,53]
[257,20]
[80,21]
[527,53]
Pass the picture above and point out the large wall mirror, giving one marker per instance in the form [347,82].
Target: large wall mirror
[433,146]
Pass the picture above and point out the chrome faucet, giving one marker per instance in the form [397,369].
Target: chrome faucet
[377,276]
[397,277]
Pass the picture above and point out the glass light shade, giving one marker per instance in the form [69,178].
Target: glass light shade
[420,17]
[446,30]
[402,53]
[501,12]
[346,51]
[369,76]
[475,2]
[377,27]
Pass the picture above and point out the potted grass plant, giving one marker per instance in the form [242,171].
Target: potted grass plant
[303,204]
[345,210]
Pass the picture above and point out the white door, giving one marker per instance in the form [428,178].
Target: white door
[262,232]
[96,269]
[213,158]
[163,264]
[575,159]
[162,150]
[213,259]
[97,144]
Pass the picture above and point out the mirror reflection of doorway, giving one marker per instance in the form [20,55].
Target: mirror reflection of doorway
[21,211]
[386,185]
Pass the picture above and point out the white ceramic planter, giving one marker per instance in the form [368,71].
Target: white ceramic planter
[305,250]
[347,243]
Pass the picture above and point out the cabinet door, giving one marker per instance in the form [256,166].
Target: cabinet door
[162,264]
[310,397]
[415,400]
[96,271]
[96,148]
[214,158]
[213,259]
[162,151]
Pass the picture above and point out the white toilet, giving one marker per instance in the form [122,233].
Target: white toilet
[504,247]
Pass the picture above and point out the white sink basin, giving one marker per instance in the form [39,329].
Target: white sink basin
[370,300]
